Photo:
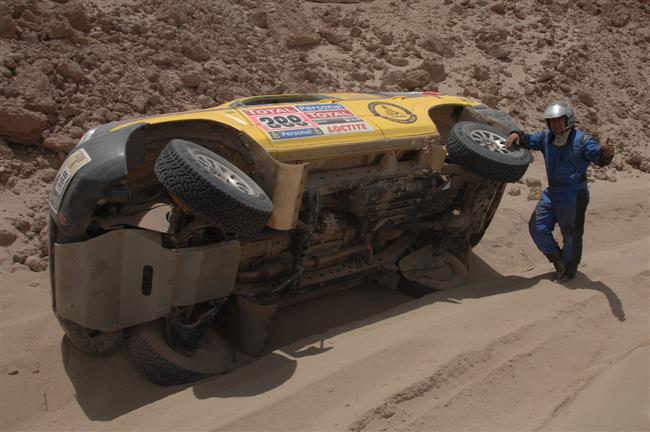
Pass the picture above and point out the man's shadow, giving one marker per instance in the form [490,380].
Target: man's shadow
[480,270]
[582,281]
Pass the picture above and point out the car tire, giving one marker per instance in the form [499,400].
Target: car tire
[213,188]
[481,149]
[165,366]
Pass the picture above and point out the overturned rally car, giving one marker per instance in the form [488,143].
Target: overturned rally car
[181,235]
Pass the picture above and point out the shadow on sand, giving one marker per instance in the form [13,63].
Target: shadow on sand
[109,387]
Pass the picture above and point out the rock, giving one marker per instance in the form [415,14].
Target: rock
[22,224]
[586,98]
[205,101]
[47,175]
[534,194]
[19,125]
[438,45]
[545,76]
[386,39]
[533,182]
[407,80]
[35,263]
[397,61]
[480,73]
[618,163]
[5,72]
[5,151]
[356,31]
[192,78]
[71,70]
[36,88]
[44,65]
[12,372]
[359,76]
[8,29]
[499,51]
[161,59]
[619,18]
[514,191]
[436,70]
[139,102]
[59,29]
[259,19]
[59,143]
[289,25]
[7,237]
[638,161]
[168,83]
[21,256]
[498,8]
[331,37]
[76,16]
[194,50]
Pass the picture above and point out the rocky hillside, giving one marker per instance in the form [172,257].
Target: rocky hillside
[66,66]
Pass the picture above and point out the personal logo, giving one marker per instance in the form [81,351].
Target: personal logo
[392,112]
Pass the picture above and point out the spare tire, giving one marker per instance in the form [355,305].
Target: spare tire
[213,188]
[481,149]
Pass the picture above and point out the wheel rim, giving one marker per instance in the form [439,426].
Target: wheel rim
[489,140]
[225,174]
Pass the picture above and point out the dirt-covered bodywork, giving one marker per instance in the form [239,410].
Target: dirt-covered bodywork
[182,234]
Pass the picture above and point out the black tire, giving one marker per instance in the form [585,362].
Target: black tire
[196,176]
[164,366]
[480,148]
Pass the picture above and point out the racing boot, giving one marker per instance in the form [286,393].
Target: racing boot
[560,268]
[570,272]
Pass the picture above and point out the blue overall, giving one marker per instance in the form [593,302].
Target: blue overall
[565,200]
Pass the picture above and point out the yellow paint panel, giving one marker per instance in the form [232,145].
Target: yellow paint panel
[346,118]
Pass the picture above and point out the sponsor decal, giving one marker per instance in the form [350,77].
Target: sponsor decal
[302,121]
[295,133]
[77,160]
[392,112]
[255,112]
[329,114]
[339,120]
[320,107]
[347,128]
[279,118]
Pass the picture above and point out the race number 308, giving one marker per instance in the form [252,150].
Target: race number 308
[280,121]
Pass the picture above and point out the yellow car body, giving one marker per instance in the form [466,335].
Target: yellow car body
[333,121]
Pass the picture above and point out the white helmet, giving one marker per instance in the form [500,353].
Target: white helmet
[561,109]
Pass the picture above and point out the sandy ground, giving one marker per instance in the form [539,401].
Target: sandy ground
[511,350]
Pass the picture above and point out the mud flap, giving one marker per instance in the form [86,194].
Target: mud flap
[247,324]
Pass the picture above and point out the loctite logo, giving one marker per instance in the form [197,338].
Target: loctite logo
[354,127]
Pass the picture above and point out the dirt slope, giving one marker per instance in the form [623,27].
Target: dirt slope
[68,65]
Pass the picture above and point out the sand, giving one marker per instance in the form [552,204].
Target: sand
[510,350]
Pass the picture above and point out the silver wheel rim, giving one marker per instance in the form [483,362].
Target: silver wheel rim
[489,140]
[224,174]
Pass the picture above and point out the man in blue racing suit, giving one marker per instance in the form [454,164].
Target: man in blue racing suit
[567,154]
